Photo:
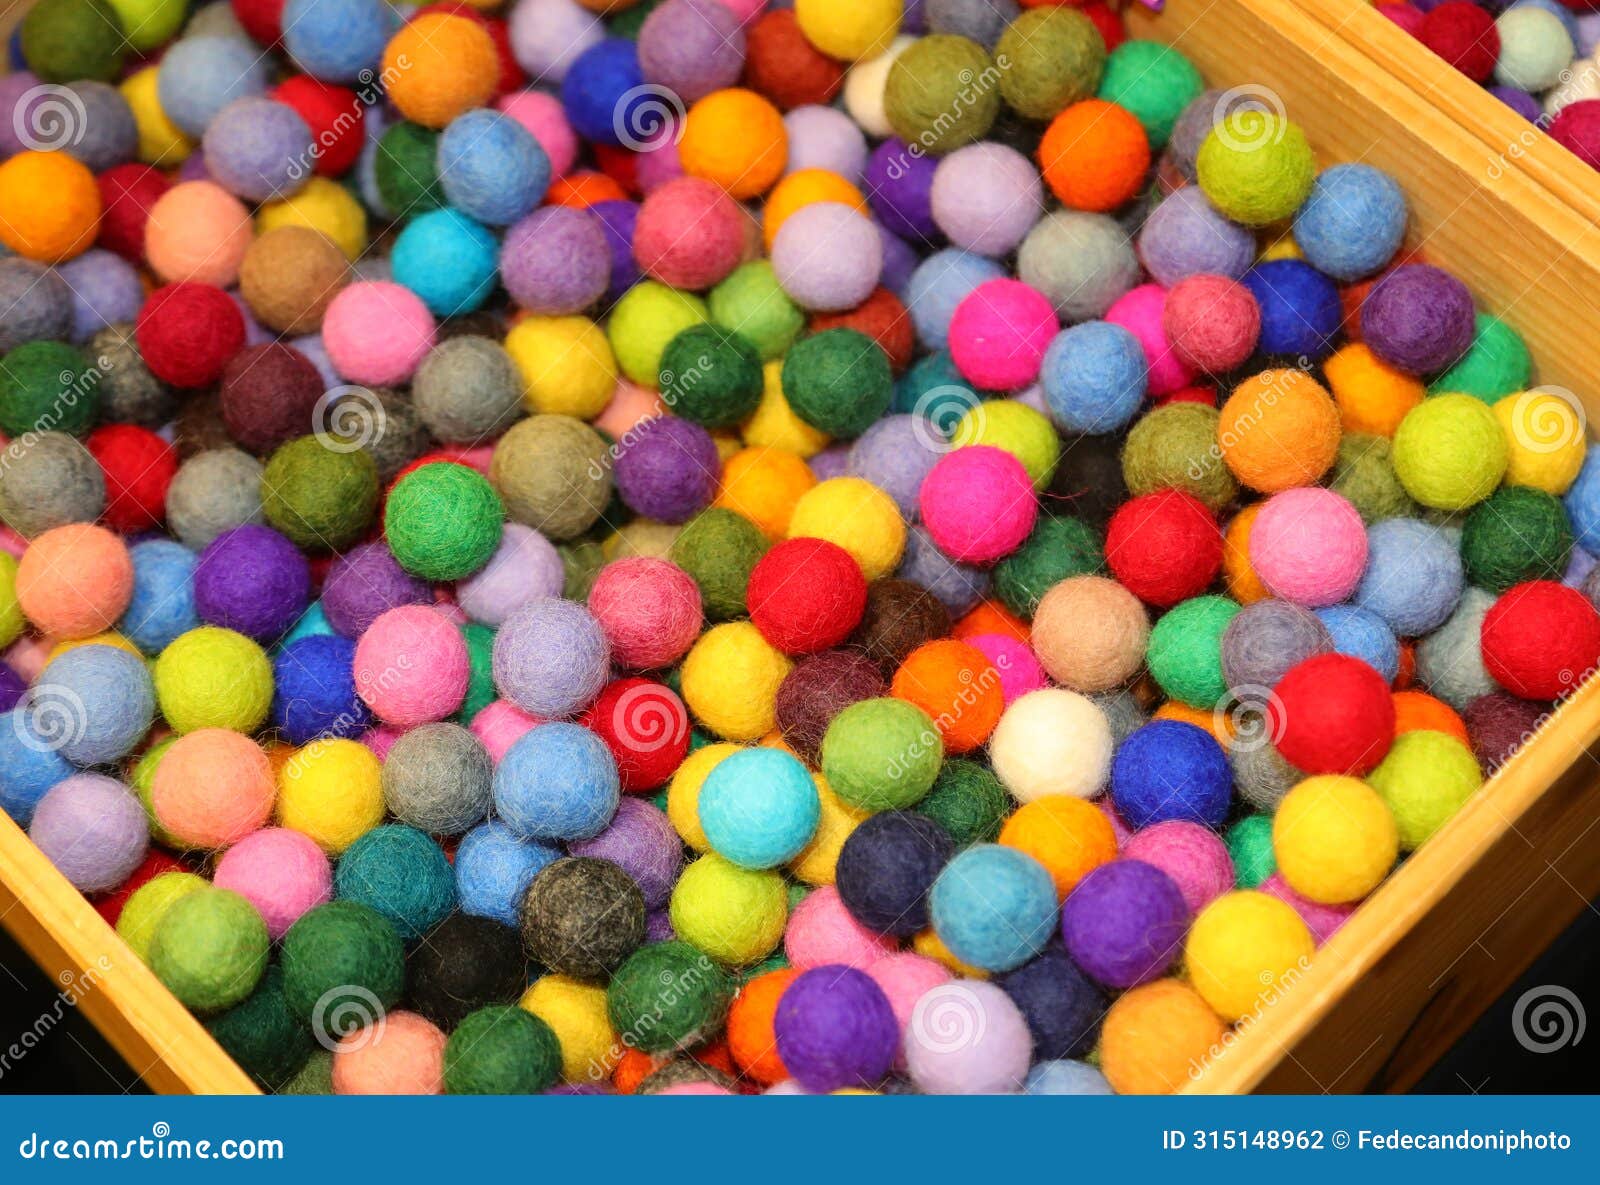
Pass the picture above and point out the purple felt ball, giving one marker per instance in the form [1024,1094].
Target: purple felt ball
[617,220]
[667,469]
[827,257]
[1194,124]
[1124,922]
[259,149]
[658,926]
[366,582]
[12,687]
[641,841]
[253,580]
[895,454]
[833,461]
[93,829]
[900,259]
[986,198]
[1185,236]
[1419,318]
[525,565]
[105,291]
[551,658]
[14,123]
[691,47]
[555,261]
[900,189]
[825,138]
[1519,101]
[835,1028]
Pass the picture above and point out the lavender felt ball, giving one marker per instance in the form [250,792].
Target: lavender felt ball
[1124,922]
[899,187]
[692,47]
[900,259]
[525,565]
[557,260]
[1185,236]
[93,829]
[551,658]
[106,291]
[641,841]
[835,1029]
[825,138]
[1419,318]
[364,583]
[106,136]
[1263,641]
[827,257]
[986,198]
[895,454]
[617,220]
[259,149]
[959,586]
[667,469]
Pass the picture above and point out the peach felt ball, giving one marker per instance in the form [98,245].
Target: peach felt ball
[978,504]
[212,788]
[411,666]
[199,232]
[74,581]
[439,66]
[401,1053]
[999,333]
[1309,546]
[281,872]
[377,332]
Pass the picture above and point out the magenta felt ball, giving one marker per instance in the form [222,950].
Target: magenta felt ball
[556,261]
[1212,322]
[376,332]
[525,565]
[93,829]
[1013,660]
[978,504]
[967,1037]
[689,234]
[1192,855]
[281,872]
[999,334]
[649,610]
[827,257]
[1308,546]
[904,978]
[1322,920]
[546,121]
[1140,313]
[411,666]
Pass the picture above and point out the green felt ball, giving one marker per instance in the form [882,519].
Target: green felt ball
[1450,452]
[710,375]
[838,381]
[719,549]
[406,170]
[1185,650]
[480,671]
[149,903]
[1154,82]
[882,754]
[210,949]
[754,305]
[68,40]
[1056,548]
[443,521]
[343,965]
[262,1035]
[501,1049]
[48,387]
[321,496]
[1496,365]
[628,22]
[968,801]
[581,561]
[1425,779]
[1250,848]
[143,779]
[1256,167]
[1175,447]
[314,1078]
[942,92]
[1518,533]
[1364,473]
[1053,57]
[645,318]
[668,995]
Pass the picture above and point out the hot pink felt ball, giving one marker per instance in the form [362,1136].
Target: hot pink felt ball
[1192,855]
[1140,311]
[1015,662]
[1322,920]
[376,332]
[546,121]
[400,1053]
[822,931]
[649,610]
[1308,545]
[696,1089]
[501,724]
[657,163]
[1211,321]
[999,334]
[411,666]
[380,738]
[281,872]
[978,504]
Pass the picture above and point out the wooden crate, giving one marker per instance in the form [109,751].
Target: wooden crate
[1460,919]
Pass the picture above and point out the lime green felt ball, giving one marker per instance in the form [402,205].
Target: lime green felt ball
[882,754]
[1058,547]
[1054,57]
[212,677]
[150,23]
[968,801]
[754,305]
[1450,452]
[262,1035]
[1425,779]
[210,949]
[1256,167]
[1250,848]
[710,375]
[719,549]
[322,496]
[1185,650]
[1026,434]
[838,381]
[12,622]
[1153,81]
[644,320]
[1497,364]
[443,521]
[148,904]
[1517,533]
[736,915]
[501,1049]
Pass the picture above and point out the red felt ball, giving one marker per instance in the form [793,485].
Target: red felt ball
[781,63]
[1164,547]
[109,905]
[335,116]
[1332,714]
[269,396]
[1576,128]
[126,194]
[262,19]
[806,595]
[883,318]
[1465,36]
[187,333]
[138,467]
[1195,394]
[1540,639]
[646,727]
[620,164]
[1112,31]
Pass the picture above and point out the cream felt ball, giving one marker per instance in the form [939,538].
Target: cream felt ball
[411,666]
[1334,839]
[978,504]
[1090,633]
[1309,546]
[1052,741]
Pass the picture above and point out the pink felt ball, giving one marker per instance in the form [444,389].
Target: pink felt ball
[411,666]
[905,978]
[1322,920]
[281,872]
[1192,855]
[546,121]
[400,1053]
[1015,662]
[657,163]
[1211,321]
[377,333]
[1140,313]
[501,724]
[1308,545]
[380,738]
[689,234]
[822,931]
[999,334]
[695,1089]
[978,504]
[649,610]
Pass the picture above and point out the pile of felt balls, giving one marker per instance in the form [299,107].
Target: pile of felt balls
[694,548]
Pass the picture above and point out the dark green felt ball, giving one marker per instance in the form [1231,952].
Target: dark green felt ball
[1057,547]
[1518,533]
[47,387]
[711,376]
[343,965]
[668,996]
[68,40]
[838,381]
[262,1035]
[406,170]
[501,1049]
[968,801]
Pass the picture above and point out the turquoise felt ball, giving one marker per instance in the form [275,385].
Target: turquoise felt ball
[759,808]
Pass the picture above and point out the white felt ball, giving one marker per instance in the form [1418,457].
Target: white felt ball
[1052,742]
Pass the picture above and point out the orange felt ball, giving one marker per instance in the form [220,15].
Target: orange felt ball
[1070,836]
[991,617]
[49,206]
[1156,1037]
[1218,724]
[584,188]
[212,788]
[1244,585]
[633,1067]
[401,1053]
[75,581]
[750,1035]
[763,484]
[439,66]
[198,231]
[1094,155]
[957,686]
[802,188]
[1371,395]
[1279,429]
[1417,711]
[737,139]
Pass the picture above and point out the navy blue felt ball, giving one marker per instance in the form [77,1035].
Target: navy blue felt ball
[1300,311]
[1062,1005]
[1171,770]
[314,690]
[601,86]
[886,868]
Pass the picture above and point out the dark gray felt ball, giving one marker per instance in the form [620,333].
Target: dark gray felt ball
[129,393]
[582,917]
[213,492]
[438,778]
[397,437]
[1264,640]
[48,479]
[463,964]
[35,304]
[467,390]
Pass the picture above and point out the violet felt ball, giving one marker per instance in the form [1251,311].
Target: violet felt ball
[556,261]
[827,257]
[252,580]
[940,283]
[691,47]
[618,219]
[95,702]
[1170,769]
[259,149]
[559,782]
[825,138]
[978,504]
[899,187]
[1263,641]
[667,469]
[1094,376]
[958,586]
[999,333]
[895,454]
[551,658]
[835,1029]
[491,168]
[525,565]
[106,291]
[1185,236]
[365,582]
[92,829]
[967,1037]
[1062,1005]
[640,840]
[1419,318]
[314,690]
[411,666]
[1309,546]
[1124,923]
[986,198]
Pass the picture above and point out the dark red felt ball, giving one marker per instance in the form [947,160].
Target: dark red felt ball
[883,318]
[1499,724]
[126,194]
[782,64]
[335,116]
[1164,547]
[1199,393]
[806,595]
[269,396]
[1576,128]
[188,332]
[1465,36]
[1332,714]
[138,467]
[109,905]
[646,727]
[1540,639]
[262,19]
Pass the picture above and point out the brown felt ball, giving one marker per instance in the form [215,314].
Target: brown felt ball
[818,688]
[463,964]
[1499,724]
[268,396]
[1090,633]
[582,917]
[290,275]
[900,616]
[200,426]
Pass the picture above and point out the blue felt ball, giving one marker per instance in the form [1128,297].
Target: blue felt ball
[1583,503]
[558,782]
[402,874]
[30,763]
[994,907]
[1362,634]
[886,867]
[314,690]
[162,604]
[1169,769]
[602,86]
[1065,1077]
[448,260]
[491,167]
[338,40]
[199,76]
[1413,577]
[1062,1005]
[759,808]
[959,586]
[1094,377]
[1300,311]
[95,702]
[1352,223]
[938,285]
[494,867]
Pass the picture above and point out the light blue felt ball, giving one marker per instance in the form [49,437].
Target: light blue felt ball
[994,907]
[759,808]
[491,167]
[558,782]
[1362,634]
[939,283]
[199,76]
[96,701]
[338,40]
[494,867]
[1065,1076]
[1094,377]
[1413,577]
[162,604]
[1352,223]
[30,764]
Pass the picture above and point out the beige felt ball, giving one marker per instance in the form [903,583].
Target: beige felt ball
[1090,633]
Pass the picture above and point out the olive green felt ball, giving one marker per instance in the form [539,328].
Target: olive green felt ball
[1185,650]
[1057,547]
[1495,365]
[942,92]
[968,801]
[1363,472]
[443,521]
[322,497]
[882,754]
[262,1035]
[1250,848]
[554,474]
[1053,57]
[1153,81]
[47,387]
[343,965]
[1175,447]
[406,170]
[68,40]
[838,381]
[210,949]
[1518,533]
[668,995]
[719,548]
[711,376]
[501,1049]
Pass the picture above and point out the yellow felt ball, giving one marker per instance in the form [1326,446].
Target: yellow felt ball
[930,946]
[736,139]
[774,425]
[212,677]
[856,515]
[1282,247]
[683,792]
[730,681]
[802,188]
[641,537]
[161,142]
[819,859]
[1244,949]
[322,205]
[49,206]
[110,638]
[849,29]
[332,791]
[1334,838]
[765,485]
[439,66]
[576,1014]
[1545,438]
[735,915]
[567,365]
[1372,396]
[12,621]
